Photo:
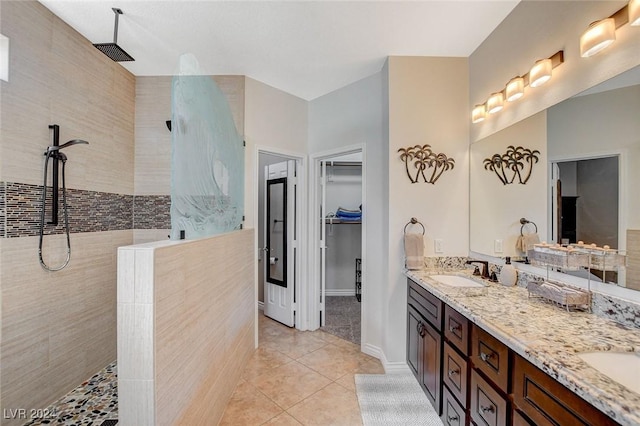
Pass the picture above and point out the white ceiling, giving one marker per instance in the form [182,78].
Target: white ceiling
[306,48]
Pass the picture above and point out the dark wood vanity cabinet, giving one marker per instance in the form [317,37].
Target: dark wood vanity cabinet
[424,341]
[472,378]
[547,402]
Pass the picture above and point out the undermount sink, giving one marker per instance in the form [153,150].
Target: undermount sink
[456,281]
[621,367]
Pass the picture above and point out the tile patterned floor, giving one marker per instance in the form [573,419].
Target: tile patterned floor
[90,404]
[343,317]
[299,378]
[294,378]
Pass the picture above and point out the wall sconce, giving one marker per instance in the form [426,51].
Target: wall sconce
[598,36]
[634,13]
[539,74]
[478,114]
[602,33]
[514,89]
[495,102]
[4,58]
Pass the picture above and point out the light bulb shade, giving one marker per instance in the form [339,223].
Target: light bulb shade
[495,102]
[634,13]
[515,89]
[597,37]
[540,72]
[478,114]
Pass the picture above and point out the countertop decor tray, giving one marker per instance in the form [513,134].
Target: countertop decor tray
[560,294]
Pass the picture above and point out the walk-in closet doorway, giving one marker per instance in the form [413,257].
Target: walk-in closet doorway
[339,230]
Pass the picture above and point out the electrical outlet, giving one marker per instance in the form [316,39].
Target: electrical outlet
[497,246]
[437,244]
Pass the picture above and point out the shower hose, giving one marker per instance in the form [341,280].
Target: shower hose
[63,158]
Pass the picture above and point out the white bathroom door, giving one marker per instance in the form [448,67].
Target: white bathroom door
[281,242]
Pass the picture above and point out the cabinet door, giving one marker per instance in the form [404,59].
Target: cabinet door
[430,360]
[414,341]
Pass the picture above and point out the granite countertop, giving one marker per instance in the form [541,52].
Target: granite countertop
[549,337]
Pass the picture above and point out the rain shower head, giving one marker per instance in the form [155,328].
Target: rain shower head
[112,50]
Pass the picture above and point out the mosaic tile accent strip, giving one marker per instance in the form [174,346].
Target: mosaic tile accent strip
[3,216]
[89,211]
[152,212]
[90,404]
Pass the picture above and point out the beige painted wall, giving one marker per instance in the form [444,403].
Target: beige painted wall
[536,30]
[428,100]
[153,139]
[185,328]
[59,328]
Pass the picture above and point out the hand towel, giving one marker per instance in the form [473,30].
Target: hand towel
[414,251]
[525,242]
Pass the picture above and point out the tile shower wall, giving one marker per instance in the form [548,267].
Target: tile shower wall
[59,328]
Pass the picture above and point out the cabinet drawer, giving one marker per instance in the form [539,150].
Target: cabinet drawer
[454,373]
[452,413]
[456,329]
[429,306]
[488,407]
[519,419]
[490,356]
[547,402]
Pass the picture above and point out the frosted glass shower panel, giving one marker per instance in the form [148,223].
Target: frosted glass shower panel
[207,171]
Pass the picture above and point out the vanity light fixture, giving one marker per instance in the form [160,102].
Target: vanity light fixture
[634,13]
[540,72]
[479,113]
[514,89]
[602,33]
[495,102]
[598,36]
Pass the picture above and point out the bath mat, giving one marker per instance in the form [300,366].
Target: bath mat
[394,399]
[110,422]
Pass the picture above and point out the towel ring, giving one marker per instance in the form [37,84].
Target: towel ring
[524,221]
[414,221]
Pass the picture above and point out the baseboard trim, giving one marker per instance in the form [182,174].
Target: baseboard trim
[261,306]
[396,367]
[340,292]
[371,350]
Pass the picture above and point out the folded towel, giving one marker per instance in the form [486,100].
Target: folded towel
[348,213]
[414,251]
[525,242]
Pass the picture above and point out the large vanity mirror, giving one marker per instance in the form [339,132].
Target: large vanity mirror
[583,155]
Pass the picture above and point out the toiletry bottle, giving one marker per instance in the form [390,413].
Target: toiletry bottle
[508,273]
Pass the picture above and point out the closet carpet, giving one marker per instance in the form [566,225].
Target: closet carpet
[343,317]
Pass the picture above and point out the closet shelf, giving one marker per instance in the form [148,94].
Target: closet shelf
[335,221]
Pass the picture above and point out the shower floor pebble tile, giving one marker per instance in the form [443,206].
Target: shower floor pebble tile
[90,404]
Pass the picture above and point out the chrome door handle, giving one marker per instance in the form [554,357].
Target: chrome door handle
[486,357]
[488,409]
[451,373]
[455,328]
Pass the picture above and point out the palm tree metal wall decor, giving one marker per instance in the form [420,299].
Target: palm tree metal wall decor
[417,159]
[512,163]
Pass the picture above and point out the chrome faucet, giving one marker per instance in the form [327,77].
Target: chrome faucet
[485,267]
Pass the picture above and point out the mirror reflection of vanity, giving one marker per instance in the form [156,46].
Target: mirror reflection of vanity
[583,186]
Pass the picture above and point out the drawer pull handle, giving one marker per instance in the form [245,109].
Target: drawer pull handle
[421,329]
[488,409]
[453,373]
[486,357]
[455,328]
[453,418]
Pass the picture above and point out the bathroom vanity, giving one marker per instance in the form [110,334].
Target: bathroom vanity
[498,357]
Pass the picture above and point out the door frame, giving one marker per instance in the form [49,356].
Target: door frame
[315,303]
[301,230]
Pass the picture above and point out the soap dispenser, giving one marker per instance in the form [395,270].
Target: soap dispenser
[508,273]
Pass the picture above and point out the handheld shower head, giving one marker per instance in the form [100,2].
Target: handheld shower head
[54,148]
